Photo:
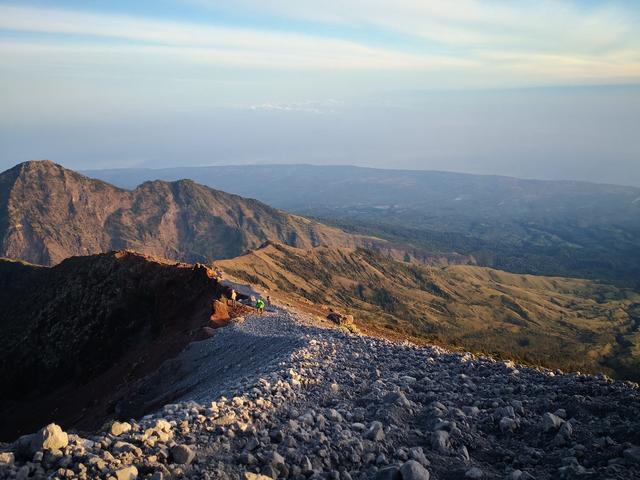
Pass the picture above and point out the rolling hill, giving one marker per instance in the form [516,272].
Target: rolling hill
[557,322]
[49,213]
[564,228]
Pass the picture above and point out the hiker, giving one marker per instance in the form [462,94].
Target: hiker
[268,301]
[233,296]
[260,305]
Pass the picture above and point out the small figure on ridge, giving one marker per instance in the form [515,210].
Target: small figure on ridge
[260,305]
[233,296]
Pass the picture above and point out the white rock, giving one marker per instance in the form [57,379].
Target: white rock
[412,470]
[375,432]
[550,422]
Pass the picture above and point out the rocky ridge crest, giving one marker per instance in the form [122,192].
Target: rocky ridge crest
[49,213]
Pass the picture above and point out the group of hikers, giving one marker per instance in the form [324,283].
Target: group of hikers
[260,304]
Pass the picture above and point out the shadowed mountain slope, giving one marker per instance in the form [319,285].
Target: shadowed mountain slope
[558,322]
[49,213]
[74,336]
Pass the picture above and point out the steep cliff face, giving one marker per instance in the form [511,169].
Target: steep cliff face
[78,334]
[49,213]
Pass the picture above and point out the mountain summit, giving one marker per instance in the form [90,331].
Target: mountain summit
[49,213]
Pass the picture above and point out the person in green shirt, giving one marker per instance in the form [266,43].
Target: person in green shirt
[260,305]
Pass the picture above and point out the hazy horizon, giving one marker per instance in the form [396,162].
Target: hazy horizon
[345,165]
[547,90]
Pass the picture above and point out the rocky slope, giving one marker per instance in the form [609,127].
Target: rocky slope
[75,337]
[325,404]
[568,323]
[49,213]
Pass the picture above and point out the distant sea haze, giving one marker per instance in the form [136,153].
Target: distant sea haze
[570,134]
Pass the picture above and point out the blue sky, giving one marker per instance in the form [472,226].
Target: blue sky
[543,88]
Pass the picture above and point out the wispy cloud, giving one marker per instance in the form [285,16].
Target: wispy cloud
[527,42]
[224,45]
[556,40]
[528,25]
[317,107]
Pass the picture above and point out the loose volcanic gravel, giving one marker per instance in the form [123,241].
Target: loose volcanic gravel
[277,396]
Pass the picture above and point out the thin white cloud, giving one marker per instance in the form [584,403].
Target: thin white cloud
[225,57]
[229,46]
[477,43]
[550,25]
[317,107]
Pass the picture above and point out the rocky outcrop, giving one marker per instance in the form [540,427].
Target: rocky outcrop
[75,337]
[49,213]
[330,405]
[340,318]
[220,312]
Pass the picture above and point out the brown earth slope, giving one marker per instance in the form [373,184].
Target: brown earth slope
[49,213]
[558,322]
[74,337]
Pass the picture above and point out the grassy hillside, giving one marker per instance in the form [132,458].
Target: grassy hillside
[557,322]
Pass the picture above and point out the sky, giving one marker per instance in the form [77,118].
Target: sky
[539,89]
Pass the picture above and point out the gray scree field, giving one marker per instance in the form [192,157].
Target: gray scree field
[280,396]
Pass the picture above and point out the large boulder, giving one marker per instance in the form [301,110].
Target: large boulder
[6,458]
[118,428]
[126,447]
[182,454]
[412,470]
[551,422]
[391,472]
[51,438]
[127,473]
[375,432]
[440,441]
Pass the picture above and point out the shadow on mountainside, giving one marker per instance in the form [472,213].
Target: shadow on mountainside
[209,369]
[75,337]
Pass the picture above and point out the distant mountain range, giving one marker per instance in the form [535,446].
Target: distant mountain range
[565,228]
[49,213]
